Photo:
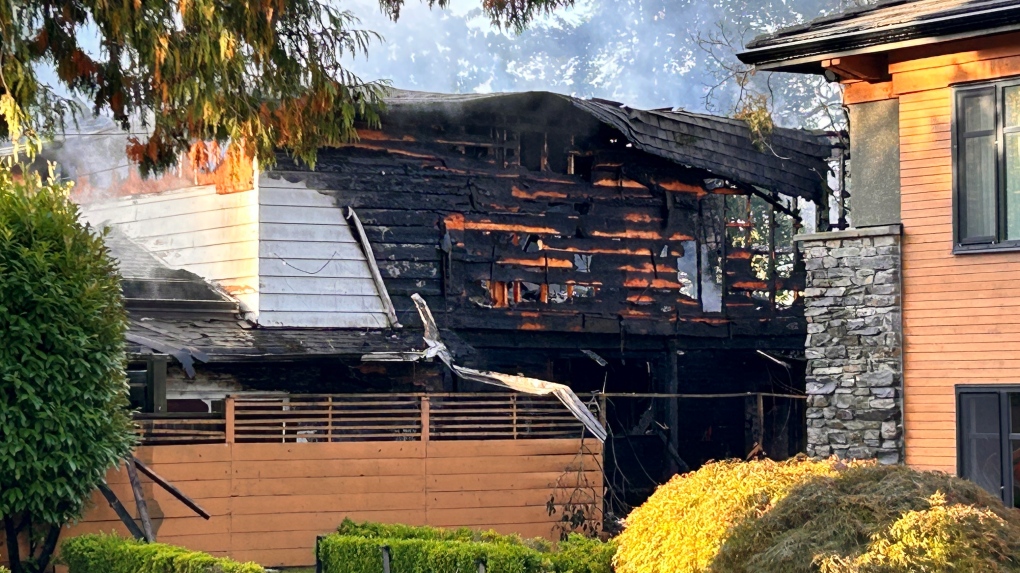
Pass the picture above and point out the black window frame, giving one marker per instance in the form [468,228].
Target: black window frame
[998,242]
[1005,433]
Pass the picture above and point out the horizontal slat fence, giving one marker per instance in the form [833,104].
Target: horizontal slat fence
[171,429]
[310,418]
[327,418]
[269,501]
[500,416]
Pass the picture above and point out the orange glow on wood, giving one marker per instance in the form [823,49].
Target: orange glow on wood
[498,294]
[540,262]
[681,187]
[654,283]
[490,226]
[522,194]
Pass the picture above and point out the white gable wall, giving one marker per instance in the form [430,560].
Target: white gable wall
[214,236]
[283,250]
[312,271]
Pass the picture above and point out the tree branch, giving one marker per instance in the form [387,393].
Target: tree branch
[13,549]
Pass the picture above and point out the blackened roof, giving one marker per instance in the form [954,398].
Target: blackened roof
[881,26]
[224,339]
[177,312]
[148,283]
[794,163]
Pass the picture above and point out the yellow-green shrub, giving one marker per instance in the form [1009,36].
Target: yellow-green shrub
[684,523]
[112,554]
[956,537]
[878,520]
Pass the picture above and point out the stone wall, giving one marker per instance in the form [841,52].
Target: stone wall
[854,343]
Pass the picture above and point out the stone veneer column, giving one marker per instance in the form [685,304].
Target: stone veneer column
[854,343]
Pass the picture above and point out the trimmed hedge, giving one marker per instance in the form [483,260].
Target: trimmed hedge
[356,548]
[113,554]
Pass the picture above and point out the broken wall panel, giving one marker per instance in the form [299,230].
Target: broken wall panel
[539,216]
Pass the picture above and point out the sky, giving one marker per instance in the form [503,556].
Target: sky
[641,52]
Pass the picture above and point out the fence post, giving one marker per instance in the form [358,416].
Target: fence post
[481,565]
[426,408]
[228,415]
[318,559]
[513,411]
[385,558]
[329,429]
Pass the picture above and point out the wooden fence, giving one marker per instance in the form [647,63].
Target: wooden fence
[304,418]
[269,501]
[276,472]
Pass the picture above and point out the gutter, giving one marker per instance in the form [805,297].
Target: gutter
[804,53]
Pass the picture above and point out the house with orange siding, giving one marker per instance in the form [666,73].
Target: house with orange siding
[914,329]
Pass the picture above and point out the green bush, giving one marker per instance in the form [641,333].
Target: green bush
[356,548]
[113,554]
[580,554]
[351,554]
[64,412]
[372,530]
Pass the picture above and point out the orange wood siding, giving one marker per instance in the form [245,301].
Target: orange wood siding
[269,501]
[961,314]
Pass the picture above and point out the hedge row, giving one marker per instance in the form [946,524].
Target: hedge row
[357,548]
[112,554]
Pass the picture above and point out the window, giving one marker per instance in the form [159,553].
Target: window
[988,439]
[986,173]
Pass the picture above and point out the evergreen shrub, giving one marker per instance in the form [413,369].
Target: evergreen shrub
[112,554]
[356,548]
[878,519]
[64,411]
[681,527]
[811,516]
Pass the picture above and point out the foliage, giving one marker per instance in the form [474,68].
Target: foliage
[576,500]
[877,520]
[942,538]
[63,393]
[356,549]
[580,554]
[262,73]
[754,111]
[113,554]
[681,527]
[373,530]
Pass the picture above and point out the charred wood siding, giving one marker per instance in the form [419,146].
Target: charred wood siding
[630,243]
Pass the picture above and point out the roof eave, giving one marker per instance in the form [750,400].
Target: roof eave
[805,56]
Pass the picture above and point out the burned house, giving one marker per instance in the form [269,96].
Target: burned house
[643,258]
[615,250]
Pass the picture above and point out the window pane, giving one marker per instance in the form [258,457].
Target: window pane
[979,112]
[1013,185]
[978,187]
[1014,413]
[981,461]
[1015,471]
[1012,106]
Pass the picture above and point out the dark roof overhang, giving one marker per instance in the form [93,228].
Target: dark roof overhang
[792,51]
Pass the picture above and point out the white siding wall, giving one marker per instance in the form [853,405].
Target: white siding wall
[312,272]
[214,236]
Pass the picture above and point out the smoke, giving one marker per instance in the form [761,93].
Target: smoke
[643,53]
